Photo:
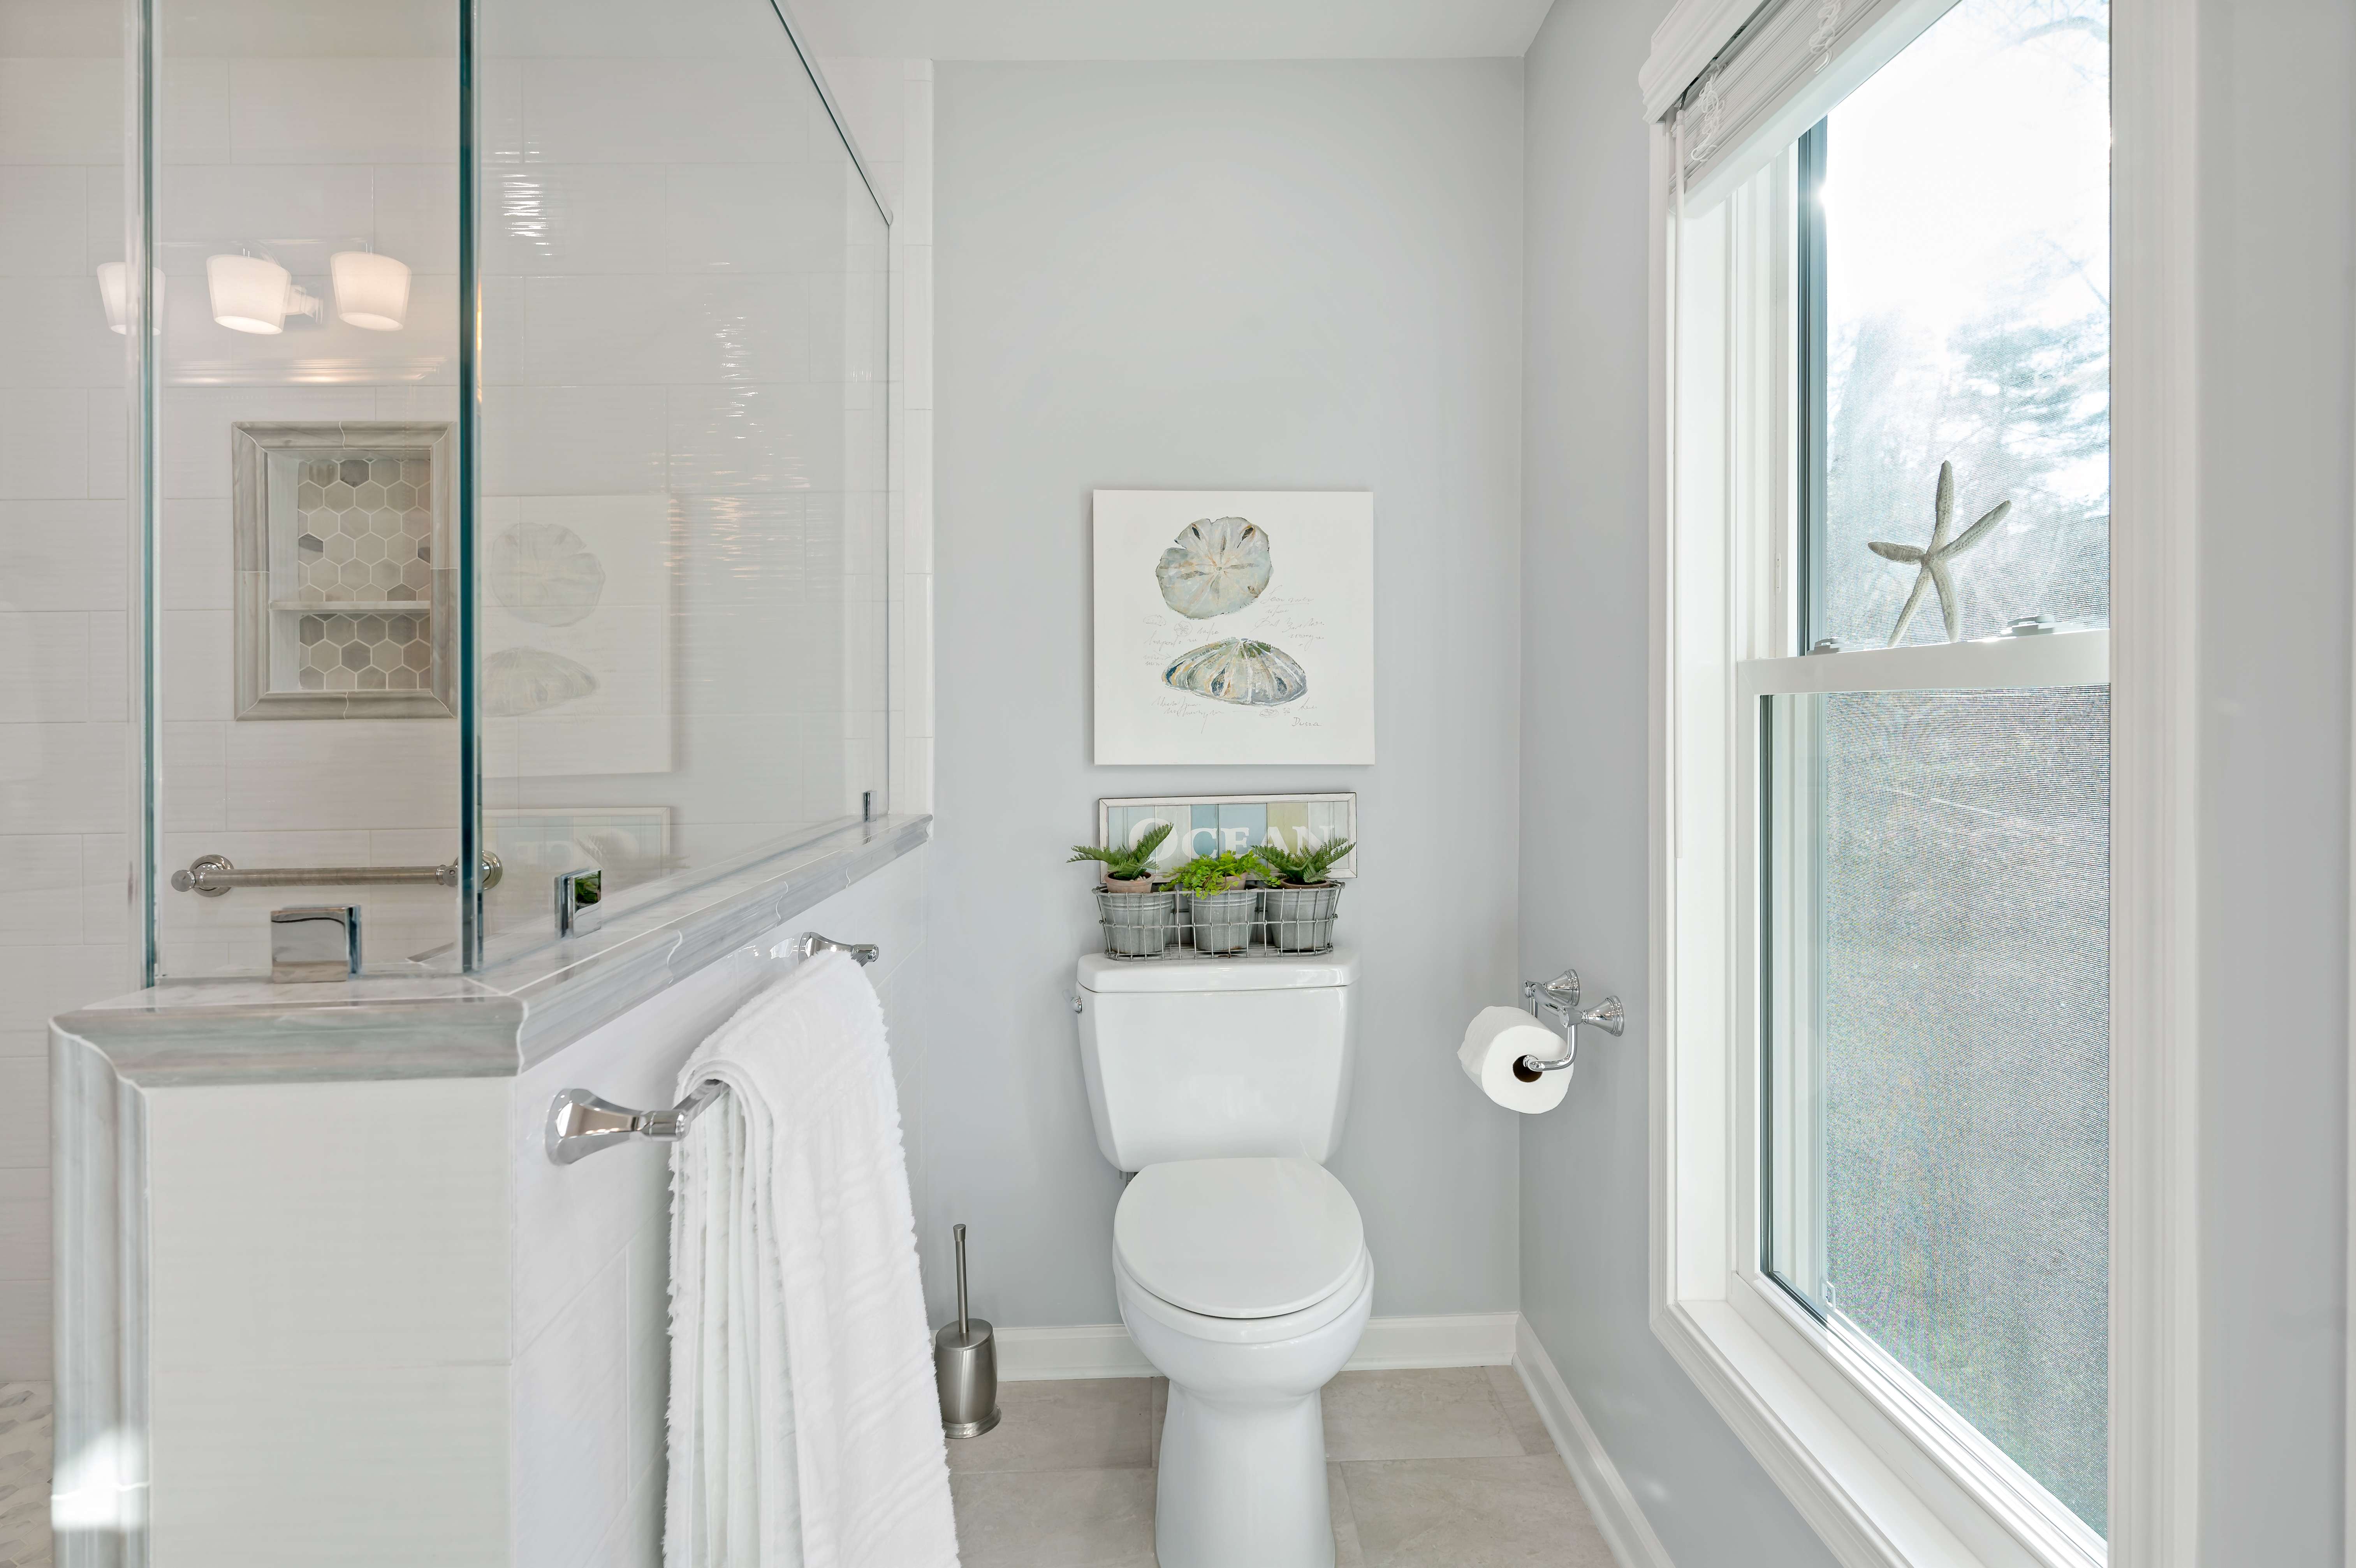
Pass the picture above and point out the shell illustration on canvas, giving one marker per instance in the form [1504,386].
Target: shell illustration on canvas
[1217,566]
[546,573]
[1255,674]
[521,681]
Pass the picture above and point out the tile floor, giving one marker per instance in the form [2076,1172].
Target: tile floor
[1445,1469]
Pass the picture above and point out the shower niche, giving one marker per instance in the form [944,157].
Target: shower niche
[347,586]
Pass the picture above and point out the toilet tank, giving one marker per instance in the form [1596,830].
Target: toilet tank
[1196,1058]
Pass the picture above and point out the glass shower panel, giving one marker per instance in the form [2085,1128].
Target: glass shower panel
[680,551]
[304,190]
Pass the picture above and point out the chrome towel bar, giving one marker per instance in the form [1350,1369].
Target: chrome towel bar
[213,876]
[580,1123]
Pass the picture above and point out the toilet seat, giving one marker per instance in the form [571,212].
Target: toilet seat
[1240,1239]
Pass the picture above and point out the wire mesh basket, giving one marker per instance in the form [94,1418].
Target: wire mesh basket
[1137,925]
[1300,919]
[1219,925]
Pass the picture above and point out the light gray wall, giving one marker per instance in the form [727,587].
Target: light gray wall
[2277,414]
[1225,276]
[1585,1223]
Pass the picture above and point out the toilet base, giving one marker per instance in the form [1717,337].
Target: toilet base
[1242,1485]
[1242,1477]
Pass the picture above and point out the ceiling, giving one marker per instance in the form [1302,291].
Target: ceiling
[1169,29]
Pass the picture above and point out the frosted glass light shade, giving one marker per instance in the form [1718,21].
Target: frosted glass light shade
[371,291]
[248,293]
[115,293]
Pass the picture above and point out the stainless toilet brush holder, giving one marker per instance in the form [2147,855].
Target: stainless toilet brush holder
[964,1365]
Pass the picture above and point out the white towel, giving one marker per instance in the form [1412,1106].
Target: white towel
[805,1430]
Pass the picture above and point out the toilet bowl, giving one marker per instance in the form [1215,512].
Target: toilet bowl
[1246,1282]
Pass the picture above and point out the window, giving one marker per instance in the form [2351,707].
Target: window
[1884,868]
[1933,859]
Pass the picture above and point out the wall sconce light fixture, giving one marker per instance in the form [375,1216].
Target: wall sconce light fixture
[371,291]
[254,294]
[115,293]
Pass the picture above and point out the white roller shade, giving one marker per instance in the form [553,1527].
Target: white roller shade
[1743,80]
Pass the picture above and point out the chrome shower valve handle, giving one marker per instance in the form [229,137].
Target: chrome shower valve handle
[1559,996]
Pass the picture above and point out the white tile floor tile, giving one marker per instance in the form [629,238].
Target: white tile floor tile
[1445,1467]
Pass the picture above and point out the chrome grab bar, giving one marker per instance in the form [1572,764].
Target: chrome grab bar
[580,1123]
[213,876]
[1559,996]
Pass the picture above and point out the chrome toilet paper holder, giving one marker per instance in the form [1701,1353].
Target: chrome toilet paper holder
[1559,996]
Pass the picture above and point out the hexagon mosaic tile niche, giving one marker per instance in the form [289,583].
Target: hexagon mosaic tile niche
[349,589]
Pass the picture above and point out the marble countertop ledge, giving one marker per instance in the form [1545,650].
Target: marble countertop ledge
[520,1009]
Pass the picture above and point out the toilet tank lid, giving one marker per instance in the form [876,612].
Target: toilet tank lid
[1276,971]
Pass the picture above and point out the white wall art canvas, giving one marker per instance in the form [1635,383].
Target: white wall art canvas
[1235,627]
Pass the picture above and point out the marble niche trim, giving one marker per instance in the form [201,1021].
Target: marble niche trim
[347,570]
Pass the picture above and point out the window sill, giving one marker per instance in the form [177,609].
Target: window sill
[1879,1489]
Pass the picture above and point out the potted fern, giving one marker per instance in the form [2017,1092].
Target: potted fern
[1301,905]
[1221,906]
[1138,922]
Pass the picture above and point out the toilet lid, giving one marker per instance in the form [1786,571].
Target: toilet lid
[1248,1238]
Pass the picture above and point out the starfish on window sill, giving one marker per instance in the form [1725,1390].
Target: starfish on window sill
[1933,558]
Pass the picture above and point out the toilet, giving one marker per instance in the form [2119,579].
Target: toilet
[1240,1261]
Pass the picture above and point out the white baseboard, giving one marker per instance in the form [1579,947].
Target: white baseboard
[1105,1350]
[1624,1527]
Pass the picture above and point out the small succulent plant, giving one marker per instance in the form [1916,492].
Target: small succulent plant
[1134,864]
[1221,873]
[1308,867]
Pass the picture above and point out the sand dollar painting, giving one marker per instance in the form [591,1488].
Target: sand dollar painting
[1234,626]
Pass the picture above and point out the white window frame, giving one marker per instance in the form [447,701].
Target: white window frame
[1884,1484]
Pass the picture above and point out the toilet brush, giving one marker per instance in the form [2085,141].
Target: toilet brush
[965,1364]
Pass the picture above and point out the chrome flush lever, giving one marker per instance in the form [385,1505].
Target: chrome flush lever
[1559,996]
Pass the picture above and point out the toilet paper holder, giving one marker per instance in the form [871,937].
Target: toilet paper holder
[1559,996]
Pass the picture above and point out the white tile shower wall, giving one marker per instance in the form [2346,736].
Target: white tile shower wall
[668,315]
[301,155]
[592,1241]
[888,104]
[63,569]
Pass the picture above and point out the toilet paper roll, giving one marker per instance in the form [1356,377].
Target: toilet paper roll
[1497,1039]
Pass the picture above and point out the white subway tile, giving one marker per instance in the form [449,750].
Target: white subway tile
[757,438]
[351,111]
[57,556]
[359,773]
[196,426]
[191,789]
[35,984]
[109,662]
[559,441]
[110,443]
[193,113]
[44,221]
[196,656]
[45,889]
[417,214]
[198,556]
[44,447]
[916,339]
[63,777]
[658,110]
[106,878]
[43,667]
[229,205]
[550,218]
[56,336]
[55,111]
